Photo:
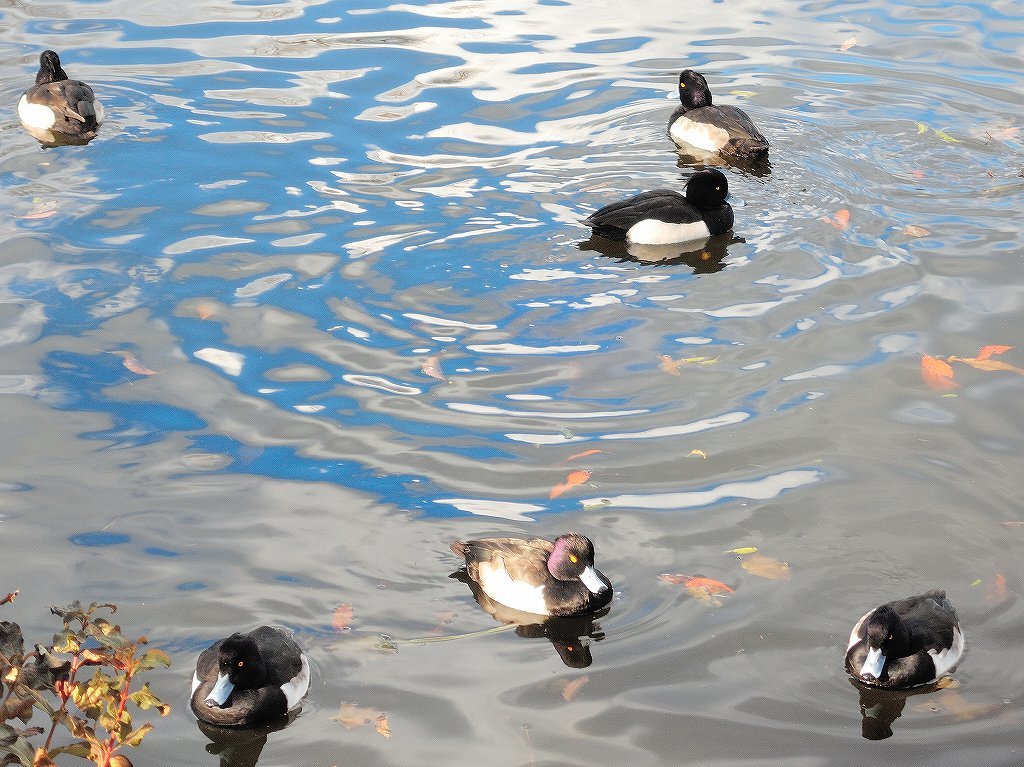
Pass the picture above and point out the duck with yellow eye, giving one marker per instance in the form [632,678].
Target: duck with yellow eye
[713,128]
[906,643]
[550,578]
[246,679]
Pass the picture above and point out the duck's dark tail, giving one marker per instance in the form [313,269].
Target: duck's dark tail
[459,548]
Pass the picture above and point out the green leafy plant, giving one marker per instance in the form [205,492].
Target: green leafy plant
[91,708]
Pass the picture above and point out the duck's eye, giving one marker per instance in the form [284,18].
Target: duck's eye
[890,637]
[241,663]
[718,189]
[682,85]
[573,558]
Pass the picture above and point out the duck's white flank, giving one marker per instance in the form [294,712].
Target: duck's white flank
[945,660]
[499,586]
[650,231]
[36,115]
[295,688]
[704,136]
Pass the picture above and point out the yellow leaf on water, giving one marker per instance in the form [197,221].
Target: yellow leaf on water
[945,136]
[743,94]
[701,453]
[921,128]
[766,567]
[743,551]
[988,365]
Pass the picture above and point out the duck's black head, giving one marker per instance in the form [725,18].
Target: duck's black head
[239,658]
[707,189]
[885,636]
[49,69]
[693,90]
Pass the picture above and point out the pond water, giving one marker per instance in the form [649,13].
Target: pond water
[317,302]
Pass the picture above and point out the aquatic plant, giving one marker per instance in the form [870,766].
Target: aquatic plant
[91,709]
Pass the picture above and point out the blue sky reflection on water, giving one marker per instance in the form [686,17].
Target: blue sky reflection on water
[342,245]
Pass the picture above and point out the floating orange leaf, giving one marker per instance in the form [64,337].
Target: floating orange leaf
[342,616]
[432,368]
[699,587]
[995,591]
[1008,523]
[766,567]
[918,174]
[575,478]
[672,366]
[570,688]
[10,597]
[351,716]
[937,374]
[848,43]
[840,220]
[912,230]
[584,454]
[987,351]
[988,365]
[133,364]
[204,312]
[700,453]
[669,365]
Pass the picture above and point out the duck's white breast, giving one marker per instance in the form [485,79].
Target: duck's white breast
[650,231]
[704,136]
[499,586]
[35,115]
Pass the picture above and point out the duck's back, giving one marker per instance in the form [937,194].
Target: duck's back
[718,128]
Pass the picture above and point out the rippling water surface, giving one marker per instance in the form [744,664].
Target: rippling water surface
[317,301]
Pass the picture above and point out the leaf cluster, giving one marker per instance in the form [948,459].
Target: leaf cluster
[81,682]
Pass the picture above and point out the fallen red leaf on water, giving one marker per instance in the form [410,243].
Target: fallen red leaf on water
[570,688]
[10,597]
[918,174]
[432,368]
[766,567]
[987,351]
[380,724]
[342,616]
[584,454]
[1008,523]
[937,374]
[995,590]
[699,587]
[204,312]
[840,220]
[848,43]
[575,478]
[133,364]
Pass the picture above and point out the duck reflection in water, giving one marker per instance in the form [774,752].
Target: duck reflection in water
[879,708]
[704,256]
[241,747]
[570,636]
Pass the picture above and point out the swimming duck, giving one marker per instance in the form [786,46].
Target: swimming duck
[700,124]
[906,643]
[59,104]
[663,217]
[537,576]
[249,678]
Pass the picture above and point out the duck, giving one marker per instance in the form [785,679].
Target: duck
[59,104]
[664,217]
[247,679]
[546,578]
[698,123]
[906,643]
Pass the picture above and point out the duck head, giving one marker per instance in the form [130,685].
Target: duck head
[49,69]
[573,559]
[240,665]
[885,635]
[693,90]
[707,189]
